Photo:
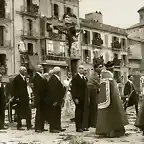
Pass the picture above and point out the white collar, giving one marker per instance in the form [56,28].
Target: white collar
[81,75]
[57,76]
[39,74]
[130,81]
[22,76]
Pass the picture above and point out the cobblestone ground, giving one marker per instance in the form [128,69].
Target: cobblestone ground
[12,136]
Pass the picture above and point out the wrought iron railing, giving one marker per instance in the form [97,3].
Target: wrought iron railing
[54,58]
[2,12]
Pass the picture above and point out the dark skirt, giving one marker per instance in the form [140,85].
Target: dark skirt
[93,108]
[140,118]
[112,118]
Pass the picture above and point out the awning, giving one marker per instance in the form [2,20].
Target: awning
[33,61]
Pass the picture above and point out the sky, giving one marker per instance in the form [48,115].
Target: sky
[119,13]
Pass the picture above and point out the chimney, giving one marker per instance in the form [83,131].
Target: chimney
[96,16]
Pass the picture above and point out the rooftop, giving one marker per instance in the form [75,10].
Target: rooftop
[102,27]
[141,9]
[141,24]
[136,39]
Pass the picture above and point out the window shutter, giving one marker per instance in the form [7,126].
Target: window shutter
[52,9]
[106,40]
[88,36]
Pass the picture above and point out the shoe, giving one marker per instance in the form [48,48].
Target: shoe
[38,131]
[85,129]
[79,130]
[44,130]
[54,131]
[20,128]
[62,130]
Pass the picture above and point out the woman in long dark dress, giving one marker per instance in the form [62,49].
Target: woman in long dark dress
[140,118]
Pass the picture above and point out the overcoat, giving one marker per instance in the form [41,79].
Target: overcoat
[21,98]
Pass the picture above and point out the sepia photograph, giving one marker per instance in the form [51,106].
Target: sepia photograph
[71,71]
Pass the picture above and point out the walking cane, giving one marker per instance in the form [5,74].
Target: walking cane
[126,102]
[9,109]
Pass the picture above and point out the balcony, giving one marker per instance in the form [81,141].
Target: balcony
[116,46]
[30,34]
[5,45]
[55,36]
[4,17]
[55,59]
[75,54]
[117,62]
[32,10]
[97,43]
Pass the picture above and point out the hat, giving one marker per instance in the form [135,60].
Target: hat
[56,69]
[98,61]
[109,64]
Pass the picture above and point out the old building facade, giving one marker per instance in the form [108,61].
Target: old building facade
[25,37]
[136,44]
[136,50]
[6,38]
[53,42]
[98,39]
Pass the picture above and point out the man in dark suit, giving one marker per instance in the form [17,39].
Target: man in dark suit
[79,94]
[2,104]
[21,99]
[131,97]
[40,94]
[54,101]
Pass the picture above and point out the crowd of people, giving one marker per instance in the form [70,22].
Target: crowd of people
[92,101]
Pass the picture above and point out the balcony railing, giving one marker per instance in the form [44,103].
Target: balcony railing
[32,10]
[97,42]
[2,12]
[55,35]
[116,46]
[117,62]
[75,54]
[5,44]
[31,34]
[55,59]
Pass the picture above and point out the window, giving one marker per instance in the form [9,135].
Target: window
[116,56]
[29,26]
[68,10]
[29,4]
[56,10]
[86,37]
[62,48]
[106,40]
[123,43]
[50,48]
[2,9]
[124,58]
[30,48]
[1,35]
[117,76]
[106,57]
[115,38]
[141,17]
[87,56]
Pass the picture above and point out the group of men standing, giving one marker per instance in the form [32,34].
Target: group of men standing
[96,98]
[48,98]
